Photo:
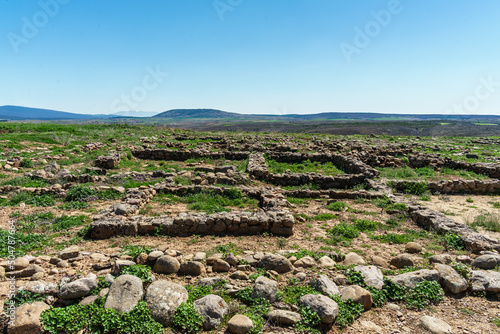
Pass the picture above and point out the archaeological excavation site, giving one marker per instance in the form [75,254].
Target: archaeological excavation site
[116,228]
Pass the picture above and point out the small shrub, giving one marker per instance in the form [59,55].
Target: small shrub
[74,205]
[26,163]
[66,222]
[355,277]
[381,202]
[309,322]
[79,192]
[462,269]
[454,241]
[424,294]
[344,230]
[393,291]
[135,250]
[94,318]
[24,297]
[488,221]
[394,238]
[187,319]
[337,206]
[397,206]
[139,270]
[348,311]
[364,225]
[293,293]
[323,216]
[378,296]
[415,188]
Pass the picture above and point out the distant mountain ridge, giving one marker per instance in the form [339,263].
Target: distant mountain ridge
[198,113]
[27,113]
[9,112]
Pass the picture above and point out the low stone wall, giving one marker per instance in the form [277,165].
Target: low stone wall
[435,221]
[185,224]
[490,169]
[183,155]
[456,186]
[257,167]
[334,194]
[345,163]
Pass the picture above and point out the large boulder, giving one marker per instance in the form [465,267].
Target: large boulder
[373,276]
[213,309]
[27,319]
[124,293]
[353,258]
[193,268]
[265,288]
[358,295]
[163,299]
[401,261]
[485,280]
[487,261]
[324,285]
[324,306]
[166,265]
[275,262]
[283,317]
[411,278]
[450,279]
[79,288]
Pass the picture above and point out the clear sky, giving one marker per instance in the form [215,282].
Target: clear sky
[252,56]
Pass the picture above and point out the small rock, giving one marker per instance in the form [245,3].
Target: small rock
[435,325]
[305,262]
[413,248]
[401,261]
[213,309]
[324,285]
[154,255]
[192,268]
[69,253]
[326,262]
[326,308]
[283,317]
[239,324]
[166,265]
[358,295]
[353,258]
[275,262]
[441,258]
[265,288]
[79,288]
[220,266]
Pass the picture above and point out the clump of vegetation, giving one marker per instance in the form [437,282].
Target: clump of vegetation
[29,198]
[94,318]
[139,270]
[187,319]
[349,311]
[488,221]
[337,206]
[424,294]
[24,297]
[306,166]
[135,250]
[80,192]
[292,293]
[454,241]
[24,243]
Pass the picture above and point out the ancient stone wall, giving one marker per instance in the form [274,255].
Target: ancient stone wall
[455,186]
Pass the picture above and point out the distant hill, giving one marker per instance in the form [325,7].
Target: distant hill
[27,113]
[199,113]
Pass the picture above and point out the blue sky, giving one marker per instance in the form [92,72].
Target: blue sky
[252,56]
